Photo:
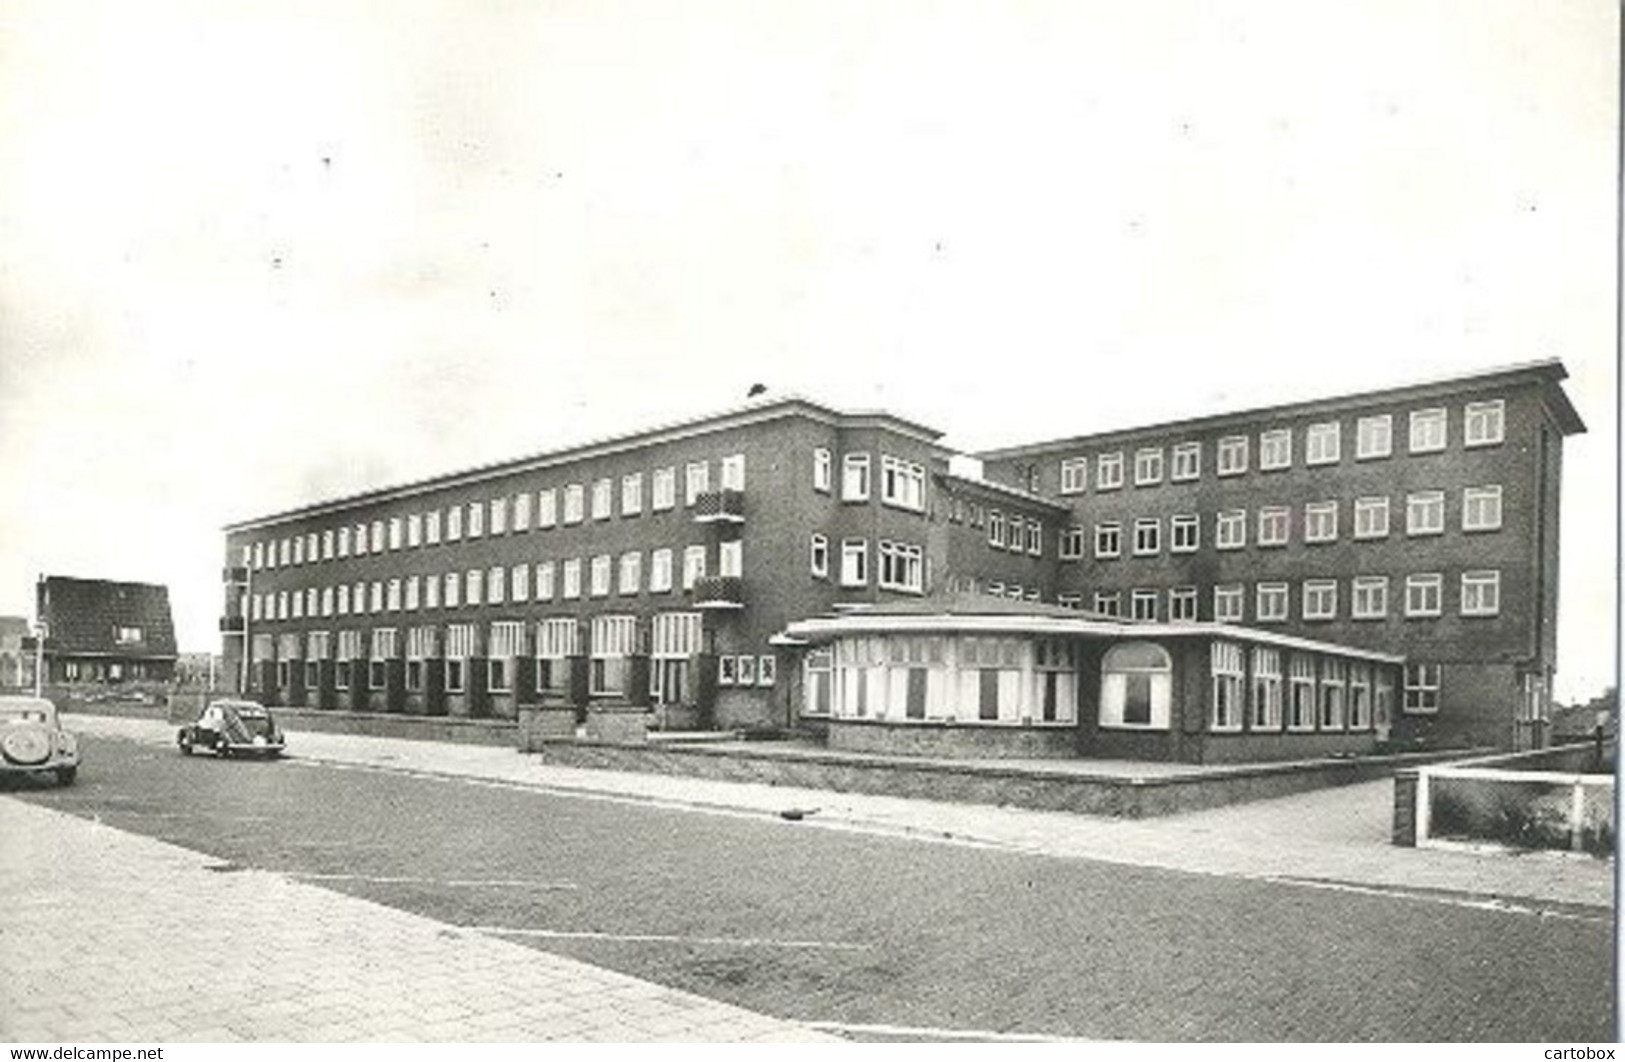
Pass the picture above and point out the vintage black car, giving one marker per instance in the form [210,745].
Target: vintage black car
[33,742]
[233,728]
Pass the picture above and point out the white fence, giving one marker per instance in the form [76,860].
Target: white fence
[1523,809]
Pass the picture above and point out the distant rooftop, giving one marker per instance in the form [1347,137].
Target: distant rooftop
[85,617]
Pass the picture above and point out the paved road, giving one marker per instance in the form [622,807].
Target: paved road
[862,930]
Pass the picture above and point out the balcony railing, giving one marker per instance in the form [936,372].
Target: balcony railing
[719,591]
[231,624]
[720,506]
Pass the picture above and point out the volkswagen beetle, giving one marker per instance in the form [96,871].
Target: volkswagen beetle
[33,742]
[230,728]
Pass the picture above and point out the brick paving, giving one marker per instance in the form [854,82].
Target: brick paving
[106,936]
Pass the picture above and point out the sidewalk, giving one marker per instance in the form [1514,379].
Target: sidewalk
[110,937]
[1327,838]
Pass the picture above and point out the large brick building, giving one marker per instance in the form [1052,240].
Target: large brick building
[674,566]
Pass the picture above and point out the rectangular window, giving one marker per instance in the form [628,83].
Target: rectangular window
[819,556]
[631,576]
[1422,683]
[546,573]
[327,600]
[431,592]
[575,503]
[855,477]
[1228,669]
[1072,543]
[1373,437]
[600,575]
[454,523]
[1187,463]
[660,571]
[507,641]
[459,647]
[1108,603]
[344,542]
[1429,430]
[342,606]
[377,597]
[499,516]
[1074,475]
[476,519]
[902,566]
[1485,423]
[733,472]
[1108,471]
[1333,685]
[1227,604]
[1142,604]
[1424,594]
[1233,455]
[298,551]
[496,585]
[393,598]
[693,566]
[1230,530]
[1323,444]
[1480,593]
[521,511]
[731,559]
[1266,690]
[1359,696]
[474,587]
[1275,449]
[632,494]
[1370,518]
[1147,466]
[1424,513]
[377,536]
[547,508]
[1320,522]
[902,483]
[602,491]
[663,490]
[1301,696]
[1108,540]
[854,562]
[519,581]
[1274,525]
[1481,508]
[571,591]
[431,527]
[1147,536]
[1272,602]
[1320,599]
[696,480]
[1182,603]
[383,651]
[1370,596]
[414,530]
[823,469]
[995,528]
[613,639]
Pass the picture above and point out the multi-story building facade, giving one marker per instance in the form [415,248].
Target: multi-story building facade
[1420,521]
[654,566]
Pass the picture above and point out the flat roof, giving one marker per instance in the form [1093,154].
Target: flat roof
[1002,491]
[1549,372]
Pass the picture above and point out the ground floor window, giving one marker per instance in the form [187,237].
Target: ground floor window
[674,641]
[1227,664]
[818,692]
[383,651]
[612,643]
[1136,686]
[556,641]
[507,643]
[1422,683]
[349,652]
[420,646]
[1301,693]
[1266,689]
[1359,696]
[459,647]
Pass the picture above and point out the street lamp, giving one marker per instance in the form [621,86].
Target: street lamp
[41,631]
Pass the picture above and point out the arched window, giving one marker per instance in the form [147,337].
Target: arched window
[1136,684]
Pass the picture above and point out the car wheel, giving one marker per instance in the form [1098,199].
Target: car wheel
[66,775]
[186,745]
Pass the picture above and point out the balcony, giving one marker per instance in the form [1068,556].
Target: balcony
[231,624]
[720,506]
[234,576]
[719,592]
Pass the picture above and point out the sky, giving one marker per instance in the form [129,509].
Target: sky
[257,254]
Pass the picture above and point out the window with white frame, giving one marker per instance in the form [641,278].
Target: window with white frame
[1228,603]
[1301,696]
[496,585]
[1422,685]
[383,651]
[1108,602]
[575,503]
[378,536]
[1371,518]
[521,511]
[377,596]
[546,574]
[507,642]
[1424,594]
[631,574]
[259,553]
[733,472]
[599,585]
[414,530]
[1108,471]
[422,643]
[1333,686]
[1274,525]
[1359,696]
[284,552]
[1424,513]
[1142,604]
[342,605]
[519,582]
[674,640]
[902,566]
[823,469]
[431,591]
[474,587]
[613,640]
[995,528]
[1230,529]
[557,640]
[1480,593]
[854,562]
[343,544]
[1429,430]
[902,483]
[818,556]
[1184,533]
[1228,669]
[1266,689]
[1232,459]
[327,600]
[1319,599]
[1370,597]
[299,549]
[1109,540]
[1182,603]
[1323,443]
[663,490]
[1147,536]
[1147,466]
[454,523]
[431,527]
[392,599]
[1481,508]
[499,516]
[547,507]
[602,495]
[459,647]
[1035,538]
[1320,521]
[571,580]
[476,520]
[1055,667]
[1074,475]
[693,566]
[632,494]
[696,480]
[1272,602]
[731,558]
[1275,449]
[1136,687]
[1485,423]
[855,477]
[1187,462]
[1072,543]
[1018,528]
[660,571]
[1373,437]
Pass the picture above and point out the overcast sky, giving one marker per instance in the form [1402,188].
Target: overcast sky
[256,254]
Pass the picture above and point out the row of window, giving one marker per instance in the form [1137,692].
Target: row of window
[543,581]
[1329,695]
[1484,424]
[1425,514]
[1419,596]
[547,508]
[902,483]
[900,565]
